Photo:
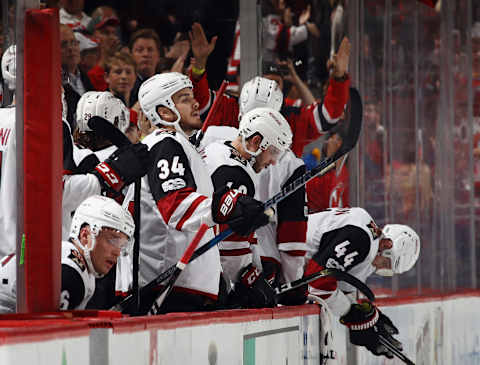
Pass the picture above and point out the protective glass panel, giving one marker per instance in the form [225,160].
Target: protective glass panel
[418,71]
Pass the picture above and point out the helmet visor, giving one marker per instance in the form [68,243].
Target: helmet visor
[115,238]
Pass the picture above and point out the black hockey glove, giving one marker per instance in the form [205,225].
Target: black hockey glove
[366,323]
[252,290]
[242,213]
[123,166]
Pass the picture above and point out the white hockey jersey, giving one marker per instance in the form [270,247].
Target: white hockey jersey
[8,182]
[78,285]
[78,187]
[8,284]
[345,239]
[228,168]
[175,201]
[283,241]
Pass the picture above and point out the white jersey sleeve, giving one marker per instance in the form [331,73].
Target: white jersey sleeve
[8,284]
[8,182]
[284,240]
[76,188]
[228,168]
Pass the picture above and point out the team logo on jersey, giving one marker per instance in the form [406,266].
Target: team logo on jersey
[376,231]
[165,130]
[234,155]
[77,258]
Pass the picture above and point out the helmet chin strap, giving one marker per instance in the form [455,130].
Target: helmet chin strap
[176,124]
[384,272]
[253,155]
[88,257]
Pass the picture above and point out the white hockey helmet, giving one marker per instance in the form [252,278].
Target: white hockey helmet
[103,104]
[158,91]
[405,249]
[270,124]
[101,212]
[9,66]
[260,92]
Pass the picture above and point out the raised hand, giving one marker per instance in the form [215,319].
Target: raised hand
[201,48]
[341,59]
[304,16]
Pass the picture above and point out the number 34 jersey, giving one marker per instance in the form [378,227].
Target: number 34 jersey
[175,200]
[345,239]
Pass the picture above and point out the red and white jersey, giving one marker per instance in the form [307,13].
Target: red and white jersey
[277,37]
[342,238]
[328,191]
[8,182]
[228,168]
[175,200]
[8,284]
[284,241]
[78,284]
[308,123]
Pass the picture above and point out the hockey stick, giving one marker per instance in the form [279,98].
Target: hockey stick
[394,350]
[214,107]
[107,130]
[337,274]
[179,267]
[324,166]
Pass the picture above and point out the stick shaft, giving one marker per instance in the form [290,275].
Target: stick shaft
[395,351]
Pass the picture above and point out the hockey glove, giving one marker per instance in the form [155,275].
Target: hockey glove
[123,166]
[252,290]
[242,213]
[366,323]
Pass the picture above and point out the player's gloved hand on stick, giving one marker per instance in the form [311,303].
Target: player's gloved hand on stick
[252,290]
[123,166]
[242,213]
[366,323]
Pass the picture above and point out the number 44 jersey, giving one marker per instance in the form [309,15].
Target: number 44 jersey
[345,239]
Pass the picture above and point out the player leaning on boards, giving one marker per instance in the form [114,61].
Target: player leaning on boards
[263,136]
[349,239]
[177,196]
[100,230]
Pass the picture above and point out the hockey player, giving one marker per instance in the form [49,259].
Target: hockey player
[100,230]
[264,135]
[177,196]
[8,175]
[349,239]
[94,165]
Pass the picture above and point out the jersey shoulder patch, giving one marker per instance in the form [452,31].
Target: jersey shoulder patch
[235,155]
[77,258]
[376,231]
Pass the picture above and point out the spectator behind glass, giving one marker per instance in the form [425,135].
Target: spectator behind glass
[145,47]
[75,81]
[120,75]
[71,13]
[104,28]
[89,52]
[70,57]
